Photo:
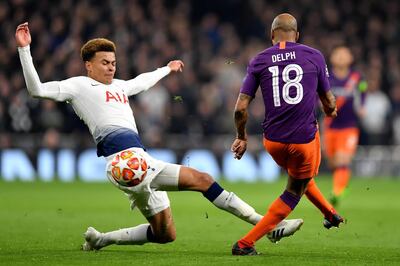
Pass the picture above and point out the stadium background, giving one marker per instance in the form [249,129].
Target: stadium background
[215,39]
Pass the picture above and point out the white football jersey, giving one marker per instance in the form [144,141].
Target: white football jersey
[101,106]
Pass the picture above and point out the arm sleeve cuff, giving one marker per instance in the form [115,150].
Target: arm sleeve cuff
[165,70]
[25,48]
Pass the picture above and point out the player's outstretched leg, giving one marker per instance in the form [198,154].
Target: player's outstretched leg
[276,213]
[160,230]
[95,240]
[191,179]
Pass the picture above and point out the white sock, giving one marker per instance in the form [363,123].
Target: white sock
[229,202]
[127,236]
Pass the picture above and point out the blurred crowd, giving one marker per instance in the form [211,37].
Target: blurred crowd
[215,39]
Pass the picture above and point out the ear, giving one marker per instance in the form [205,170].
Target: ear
[272,36]
[297,36]
[88,66]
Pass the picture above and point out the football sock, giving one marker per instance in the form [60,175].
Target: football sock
[231,203]
[278,211]
[150,235]
[341,177]
[315,196]
[137,235]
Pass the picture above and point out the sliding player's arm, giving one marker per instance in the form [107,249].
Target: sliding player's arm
[147,80]
[36,88]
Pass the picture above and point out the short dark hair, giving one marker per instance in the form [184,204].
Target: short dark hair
[93,46]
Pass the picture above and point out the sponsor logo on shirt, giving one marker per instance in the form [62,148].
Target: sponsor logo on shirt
[116,97]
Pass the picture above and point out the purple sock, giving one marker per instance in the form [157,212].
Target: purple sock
[290,199]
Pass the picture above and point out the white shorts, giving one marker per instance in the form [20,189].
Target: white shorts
[150,196]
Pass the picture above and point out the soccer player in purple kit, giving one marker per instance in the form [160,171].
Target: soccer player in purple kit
[290,76]
[341,133]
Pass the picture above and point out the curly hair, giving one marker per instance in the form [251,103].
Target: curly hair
[93,46]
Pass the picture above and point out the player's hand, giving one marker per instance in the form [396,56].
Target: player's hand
[332,113]
[22,35]
[176,66]
[238,148]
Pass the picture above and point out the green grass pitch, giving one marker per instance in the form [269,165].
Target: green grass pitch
[43,224]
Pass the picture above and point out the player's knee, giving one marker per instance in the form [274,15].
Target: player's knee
[342,160]
[192,179]
[165,238]
[170,237]
[164,234]
[205,180]
[297,186]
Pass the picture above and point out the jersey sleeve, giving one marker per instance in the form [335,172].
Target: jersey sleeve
[145,81]
[250,81]
[323,74]
[55,90]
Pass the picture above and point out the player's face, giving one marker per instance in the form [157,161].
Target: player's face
[341,57]
[102,67]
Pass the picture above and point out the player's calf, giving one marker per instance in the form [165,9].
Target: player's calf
[162,229]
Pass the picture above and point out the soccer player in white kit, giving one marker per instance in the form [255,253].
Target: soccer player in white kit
[102,103]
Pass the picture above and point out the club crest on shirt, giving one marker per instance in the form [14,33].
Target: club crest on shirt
[110,96]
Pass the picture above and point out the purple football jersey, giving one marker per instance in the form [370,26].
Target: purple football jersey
[349,97]
[290,75]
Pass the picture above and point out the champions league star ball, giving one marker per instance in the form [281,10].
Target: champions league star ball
[128,168]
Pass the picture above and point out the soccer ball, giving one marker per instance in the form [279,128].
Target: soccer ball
[128,168]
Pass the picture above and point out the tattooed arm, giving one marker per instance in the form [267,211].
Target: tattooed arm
[239,145]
